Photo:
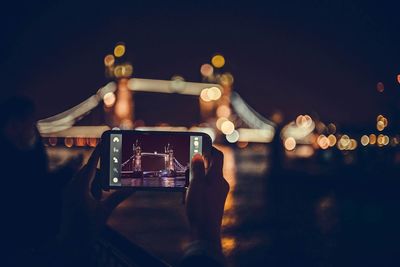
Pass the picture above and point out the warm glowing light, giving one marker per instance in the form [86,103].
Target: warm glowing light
[372,139]
[218,61]
[69,141]
[109,60]
[364,140]
[227,127]
[226,79]
[119,50]
[109,99]
[380,126]
[385,140]
[344,141]
[303,121]
[53,141]
[214,93]
[323,141]
[220,121]
[380,87]
[204,95]
[332,140]
[92,142]
[206,70]
[380,140]
[398,78]
[80,141]
[352,145]
[223,111]
[290,143]
[233,137]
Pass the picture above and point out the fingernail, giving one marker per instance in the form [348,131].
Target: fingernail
[197,157]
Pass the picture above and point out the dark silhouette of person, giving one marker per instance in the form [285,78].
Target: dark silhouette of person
[30,196]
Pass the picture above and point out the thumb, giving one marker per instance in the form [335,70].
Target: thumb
[198,170]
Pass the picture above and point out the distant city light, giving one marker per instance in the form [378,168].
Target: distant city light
[303,121]
[220,121]
[290,143]
[344,140]
[204,95]
[233,137]
[218,61]
[372,139]
[364,140]
[226,79]
[380,87]
[214,93]
[109,60]
[227,127]
[332,140]
[206,70]
[119,50]
[68,141]
[323,141]
[109,99]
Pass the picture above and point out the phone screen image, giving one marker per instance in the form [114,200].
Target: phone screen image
[153,160]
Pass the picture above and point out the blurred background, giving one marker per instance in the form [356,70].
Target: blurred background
[302,97]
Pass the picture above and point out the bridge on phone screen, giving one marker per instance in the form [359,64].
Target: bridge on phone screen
[176,165]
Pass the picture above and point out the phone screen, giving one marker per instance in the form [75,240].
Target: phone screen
[152,159]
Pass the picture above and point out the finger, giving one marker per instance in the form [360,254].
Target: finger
[115,198]
[198,170]
[217,162]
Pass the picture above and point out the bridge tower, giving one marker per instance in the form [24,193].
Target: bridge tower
[137,160]
[169,159]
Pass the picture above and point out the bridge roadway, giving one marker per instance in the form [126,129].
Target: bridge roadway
[278,218]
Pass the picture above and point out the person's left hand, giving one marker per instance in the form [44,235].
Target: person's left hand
[84,215]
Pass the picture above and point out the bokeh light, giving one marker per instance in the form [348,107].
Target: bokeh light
[109,60]
[364,140]
[323,141]
[53,140]
[109,99]
[220,121]
[214,93]
[290,143]
[119,50]
[226,79]
[204,95]
[206,70]
[68,141]
[332,140]
[227,127]
[372,139]
[223,111]
[233,137]
[218,61]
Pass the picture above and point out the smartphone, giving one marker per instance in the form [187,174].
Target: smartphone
[150,160]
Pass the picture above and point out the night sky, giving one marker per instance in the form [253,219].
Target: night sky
[317,57]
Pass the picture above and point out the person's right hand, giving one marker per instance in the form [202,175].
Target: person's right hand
[206,199]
